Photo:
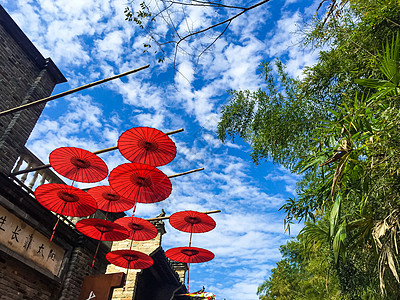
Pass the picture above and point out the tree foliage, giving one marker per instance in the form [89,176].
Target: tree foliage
[339,127]
[298,276]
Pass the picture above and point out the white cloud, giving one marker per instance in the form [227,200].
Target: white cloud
[282,174]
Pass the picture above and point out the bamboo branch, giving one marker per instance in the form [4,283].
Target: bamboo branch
[44,100]
[167,217]
[116,147]
[185,173]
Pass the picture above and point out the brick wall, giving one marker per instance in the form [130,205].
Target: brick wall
[18,284]
[80,266]
[25,76]
[148,247]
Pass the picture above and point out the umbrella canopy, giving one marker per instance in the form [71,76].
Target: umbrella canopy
[129,259]
[189,254]
[102,230]
[139,229]
[192,221]
[66,200]
[78,164]
[147,146]
[143,183]
[108,200]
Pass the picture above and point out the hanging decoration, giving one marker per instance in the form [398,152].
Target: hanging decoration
[130,259]
[108,200]
[143,183]
[147,146]
[78,164]
[192,221]
[130,183]
[101,230]
[65,200]
[139,229]
[189,254]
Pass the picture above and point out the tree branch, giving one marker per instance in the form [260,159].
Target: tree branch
[204,3]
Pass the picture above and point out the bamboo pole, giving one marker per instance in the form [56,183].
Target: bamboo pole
[116,147]
[95,152]
[167,217]
[21,107]
[184,173]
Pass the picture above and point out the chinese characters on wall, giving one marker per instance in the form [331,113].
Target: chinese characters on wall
[26,241]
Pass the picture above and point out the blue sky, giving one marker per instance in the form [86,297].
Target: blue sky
[89,40]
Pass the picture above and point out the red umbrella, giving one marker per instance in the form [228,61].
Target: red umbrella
[65,200]
[147,145]
[101,230]
[143,183]
[129,259]
[139,229]
[108,200]
[189,254]
[192,221]
[78,164]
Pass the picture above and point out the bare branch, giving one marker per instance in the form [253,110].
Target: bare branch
[204,3]
[210,45]
[223,22]
[164,10]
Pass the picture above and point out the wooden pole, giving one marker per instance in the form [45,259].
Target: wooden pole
[21,107]
[167,217]
[95,152]
[184,173]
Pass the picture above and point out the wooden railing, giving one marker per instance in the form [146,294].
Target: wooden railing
[27,160]
[30,181]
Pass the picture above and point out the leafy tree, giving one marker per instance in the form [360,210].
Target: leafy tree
[300,276]
[344,140]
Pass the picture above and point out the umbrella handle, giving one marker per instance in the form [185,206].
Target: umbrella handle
[187,282]
[97,249]
[108,208]
[191,233]
[127,272]
[58,220]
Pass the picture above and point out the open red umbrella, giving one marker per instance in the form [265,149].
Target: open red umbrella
[101,230]
[147,145]
[78,164]
[108,200]
[65,200]
[139,229]
[192,221]
[130,259]
[189,254]
[143,183]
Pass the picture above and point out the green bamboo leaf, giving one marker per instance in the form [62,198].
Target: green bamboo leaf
[334,216]
[338,242]
[375,83]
